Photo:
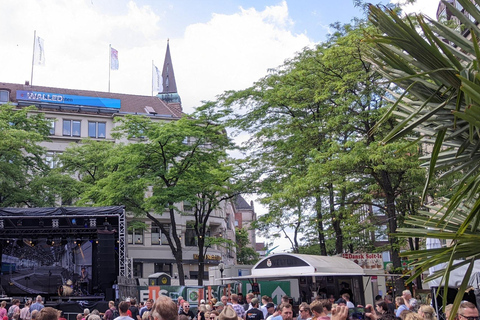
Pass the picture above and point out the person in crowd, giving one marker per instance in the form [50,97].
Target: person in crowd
[201,312]
[400,302]
[427,312]
[277,315]
[109,314]
[219,306]
[61,315]
[304,312]
[35,313]
[79,316]
[448,310]
[389,301]
[148,307]
[412,316]
[225,302]
[146,315]
[213,315]
[467,311]
[331,298]
[3,309]
[93,316]
[86,312]
[182,317]
[270,309]
[254,313]
[228,314]
[237,307]
[25,313]
[350,304]
[263,307]
[134,309]
[327,306]
[123,310]
[248,301]
[404,313]
[38,305]
[410,302]
[14,309]
[287,311]
[241,300]
[341,302]
[318,311]
[47,313]
[164,309]
[186,310]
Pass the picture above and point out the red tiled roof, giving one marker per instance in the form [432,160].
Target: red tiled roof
[129,103]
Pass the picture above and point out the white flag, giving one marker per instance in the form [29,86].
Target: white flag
[113,59]
[157,80]
[39,52]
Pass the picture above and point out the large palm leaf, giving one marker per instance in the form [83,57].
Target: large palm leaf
[436,70]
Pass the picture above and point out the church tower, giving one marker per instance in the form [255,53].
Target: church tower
[169,93]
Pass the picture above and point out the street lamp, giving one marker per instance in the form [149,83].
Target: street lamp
[221,267]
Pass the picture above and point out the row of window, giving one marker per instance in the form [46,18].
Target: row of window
[136,236]
[72,128]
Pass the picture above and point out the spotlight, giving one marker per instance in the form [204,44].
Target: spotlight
[2,224]
[93,223]
[19,223]
[55,223]
[74,221]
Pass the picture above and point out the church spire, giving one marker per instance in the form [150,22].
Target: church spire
[169,92]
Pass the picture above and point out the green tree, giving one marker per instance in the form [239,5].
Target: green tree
[171,162]
[245,253]
[436,67]
[23,169]
[311,122]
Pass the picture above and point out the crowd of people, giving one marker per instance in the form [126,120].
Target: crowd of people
[403,307]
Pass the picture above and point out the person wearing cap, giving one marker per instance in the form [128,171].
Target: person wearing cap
[277,315]
[341,302]
[228,314]
[218,306]
[254,313]
[270,308]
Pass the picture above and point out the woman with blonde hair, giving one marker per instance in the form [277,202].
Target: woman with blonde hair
[427,312]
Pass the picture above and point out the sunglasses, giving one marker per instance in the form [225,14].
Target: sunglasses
[212,318]
[468,318]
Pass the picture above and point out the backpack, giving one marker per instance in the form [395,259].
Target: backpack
[115,313]
[11,311]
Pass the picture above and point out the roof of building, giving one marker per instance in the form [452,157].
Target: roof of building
[241,203]
[129,103]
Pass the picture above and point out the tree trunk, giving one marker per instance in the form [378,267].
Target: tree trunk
[335,222]
[201,260]
[321,235]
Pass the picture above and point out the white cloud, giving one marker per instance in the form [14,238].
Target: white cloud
[427,7]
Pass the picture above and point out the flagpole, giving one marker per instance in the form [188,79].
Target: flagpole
[33,56]
[109,64]
[153,75]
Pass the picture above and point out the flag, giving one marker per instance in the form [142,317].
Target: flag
[113,59]
[157,80]
[39,52]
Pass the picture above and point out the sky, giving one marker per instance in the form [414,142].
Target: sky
[215,45]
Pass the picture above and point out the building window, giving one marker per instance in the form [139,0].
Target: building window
[135,236]
[71,128]
[187,206]
[381,233]
[156,236]
[190,239]
[4,96]
[97,129]
[51,123]
[51,159]
[162,267]
[138,269]
[164,241]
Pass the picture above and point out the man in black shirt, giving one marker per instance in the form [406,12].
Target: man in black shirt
[254,313]
[186,311]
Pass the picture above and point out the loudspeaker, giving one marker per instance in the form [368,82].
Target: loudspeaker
[106,263]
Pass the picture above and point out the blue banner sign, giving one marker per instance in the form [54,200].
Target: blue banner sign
[57,98]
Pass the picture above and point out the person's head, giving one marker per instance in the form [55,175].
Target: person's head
[3,304]
[39,299]
[48,313]
[95,311]
[15,301]
[388,298]
[164,309]
[382,307]
[316,307]
[28,303]
[94,317]
[224,300]
[202,308]
[149,304]
[427,312]
[285,299]
[399,301]
[404,313]
[467,311]
[346,296]
[240,296]
[378,298]
[326,304]
[448,310]
[331,298]
[186,306]
[228,314]
[123,307]
[211,316]
[412,316]
[234,298]
[86,312]
[304,310]
[111,304]
[219,306]
[265,299]
[79,316]
[34,315]
[146,315]
[133,301]
[270,308]
[182,317]
[407,294]
[249,297]
[287,311]
[254,302]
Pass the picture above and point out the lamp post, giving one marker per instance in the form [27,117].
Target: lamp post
[221,267]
